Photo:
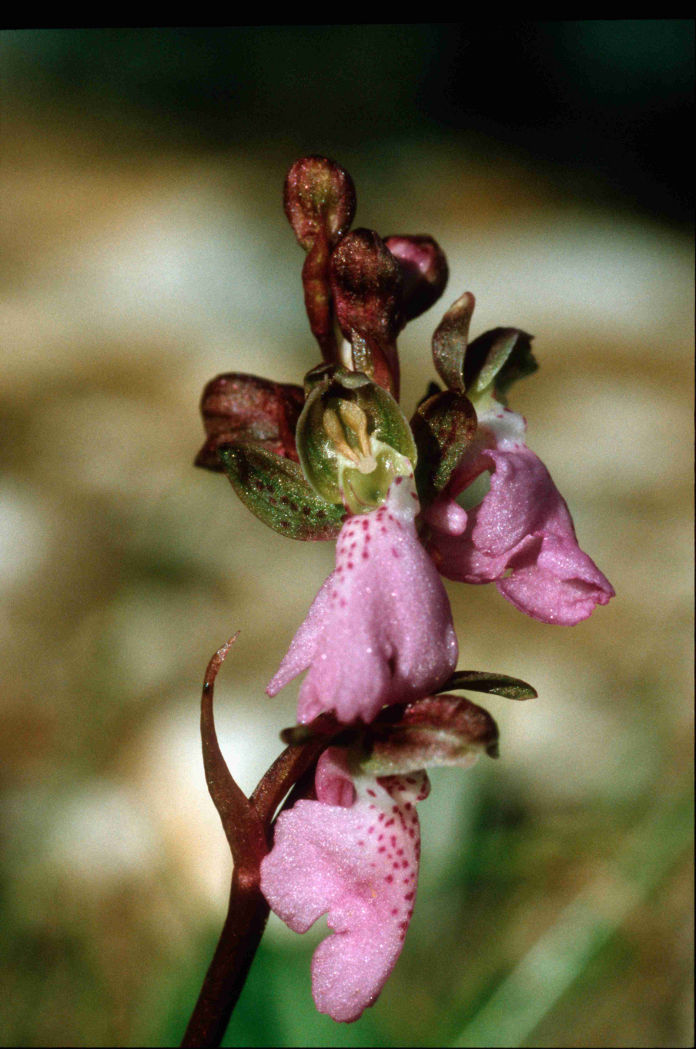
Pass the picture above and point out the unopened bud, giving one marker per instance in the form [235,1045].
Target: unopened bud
[366,283]
[319,197]
[424,270]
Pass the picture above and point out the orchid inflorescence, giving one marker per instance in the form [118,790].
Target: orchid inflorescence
[455,492]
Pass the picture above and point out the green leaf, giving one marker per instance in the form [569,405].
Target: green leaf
[443,428]
[275,490]
[493,684]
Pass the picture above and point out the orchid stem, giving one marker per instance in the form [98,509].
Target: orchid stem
[247,825]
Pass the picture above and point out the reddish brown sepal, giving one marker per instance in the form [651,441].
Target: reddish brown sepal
[443,427]
[456,714]
[433,732]
[367,286]
[424,270]
[237,407]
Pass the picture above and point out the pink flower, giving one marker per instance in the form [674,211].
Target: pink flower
[380,629]
[521,535]
[352,854]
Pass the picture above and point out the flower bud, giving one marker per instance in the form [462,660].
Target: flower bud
[319,197]
[366,283]
[353,440]
[238,407]
[424,270]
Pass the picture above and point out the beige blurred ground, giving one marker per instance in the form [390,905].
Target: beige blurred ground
[129,281]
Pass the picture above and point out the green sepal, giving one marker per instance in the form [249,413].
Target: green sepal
[450,341]
[275,490]
[332,476]
[498,358]
[492,684]
[443,428]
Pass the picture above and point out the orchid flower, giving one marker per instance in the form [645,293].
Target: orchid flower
[380,629]
[352,853]
[520,535]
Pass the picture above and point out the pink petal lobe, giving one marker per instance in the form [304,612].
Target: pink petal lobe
[521,535]
[357,863]
[380,629]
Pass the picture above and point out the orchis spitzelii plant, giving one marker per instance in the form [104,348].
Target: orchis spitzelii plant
[455,492]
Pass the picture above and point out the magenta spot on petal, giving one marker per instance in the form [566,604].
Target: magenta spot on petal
[404,863]
[393,839]
[371,792]
[389,823]
[365,555]
[409,895]
[395,552]
[361,843]
[380,837]
[398,480]
[365,525]
[396,866]
[395,910]
[382,848]
[389,878]
[343,602]
[370,830]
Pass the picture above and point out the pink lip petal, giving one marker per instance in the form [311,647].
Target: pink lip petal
[521,536]
[380,629]
[357,863]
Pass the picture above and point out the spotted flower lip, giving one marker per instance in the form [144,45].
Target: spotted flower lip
[380,629]
[353,854]
[521,535]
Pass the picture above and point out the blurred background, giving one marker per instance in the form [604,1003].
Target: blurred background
[144,250]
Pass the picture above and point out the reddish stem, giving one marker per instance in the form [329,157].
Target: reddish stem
[247,825]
